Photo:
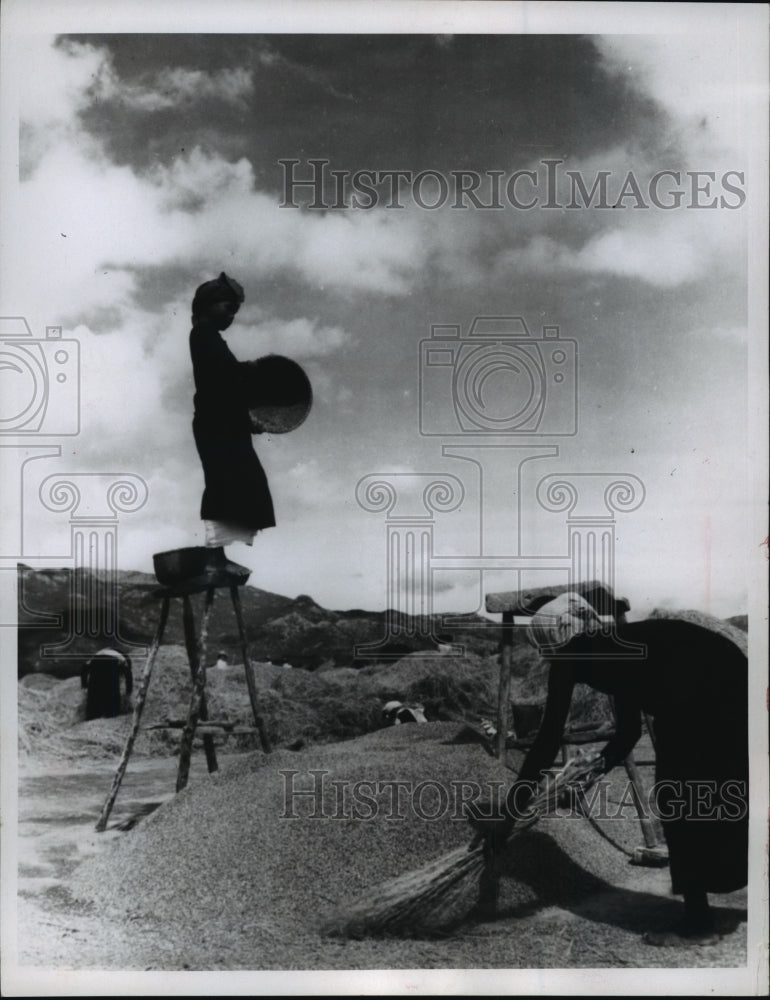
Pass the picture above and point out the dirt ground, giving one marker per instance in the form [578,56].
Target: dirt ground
[218,879]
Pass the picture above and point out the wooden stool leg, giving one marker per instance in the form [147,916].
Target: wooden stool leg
[258,721]
[651,829]
[188,734]
[653,836]
[650,722]
[504,687]
[141,696]
[195,665]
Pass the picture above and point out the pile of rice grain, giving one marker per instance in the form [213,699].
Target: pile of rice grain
[717,625]
[221,877]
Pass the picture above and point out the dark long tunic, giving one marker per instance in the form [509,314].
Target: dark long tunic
[236,490]
[694,684]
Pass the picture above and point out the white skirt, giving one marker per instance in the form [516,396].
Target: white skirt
[218,534]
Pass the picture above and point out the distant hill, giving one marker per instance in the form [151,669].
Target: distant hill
[337,695]
[280,629]
[297,631]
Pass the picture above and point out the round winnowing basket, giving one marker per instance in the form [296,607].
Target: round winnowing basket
[279,391]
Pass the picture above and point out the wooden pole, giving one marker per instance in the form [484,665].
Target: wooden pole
[650,729]
[141,696]
[196,700]
[196,664]
[250,683]
[504,686]
[653,836]
[651,831]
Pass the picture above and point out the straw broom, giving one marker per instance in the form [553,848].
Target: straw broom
[442,893]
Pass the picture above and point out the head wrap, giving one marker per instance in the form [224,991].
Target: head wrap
[218,290]
[559,620]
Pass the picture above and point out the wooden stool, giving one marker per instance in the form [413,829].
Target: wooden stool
[232,577]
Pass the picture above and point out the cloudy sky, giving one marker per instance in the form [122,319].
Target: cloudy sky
[149,162]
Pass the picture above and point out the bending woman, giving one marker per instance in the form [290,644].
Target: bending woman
[694,683]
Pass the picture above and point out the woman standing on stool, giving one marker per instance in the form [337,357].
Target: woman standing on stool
[236,500]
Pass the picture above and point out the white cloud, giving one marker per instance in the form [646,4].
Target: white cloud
[660,246]
[655,258]
[202,209]
[371,251]
[57,85]
[79,222]
[85,73]
[134,221]
[126,380]
[171,87]
[82,226]
[92,221]
[306,483]
[707,90]
[190,182]
[270,57]
[300,338]
[702,79]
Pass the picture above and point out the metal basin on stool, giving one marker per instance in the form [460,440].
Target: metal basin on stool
[190,570]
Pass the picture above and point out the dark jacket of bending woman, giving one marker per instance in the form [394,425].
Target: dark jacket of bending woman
[694,684]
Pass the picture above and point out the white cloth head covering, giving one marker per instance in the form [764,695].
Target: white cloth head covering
[114,653]
[562,619]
